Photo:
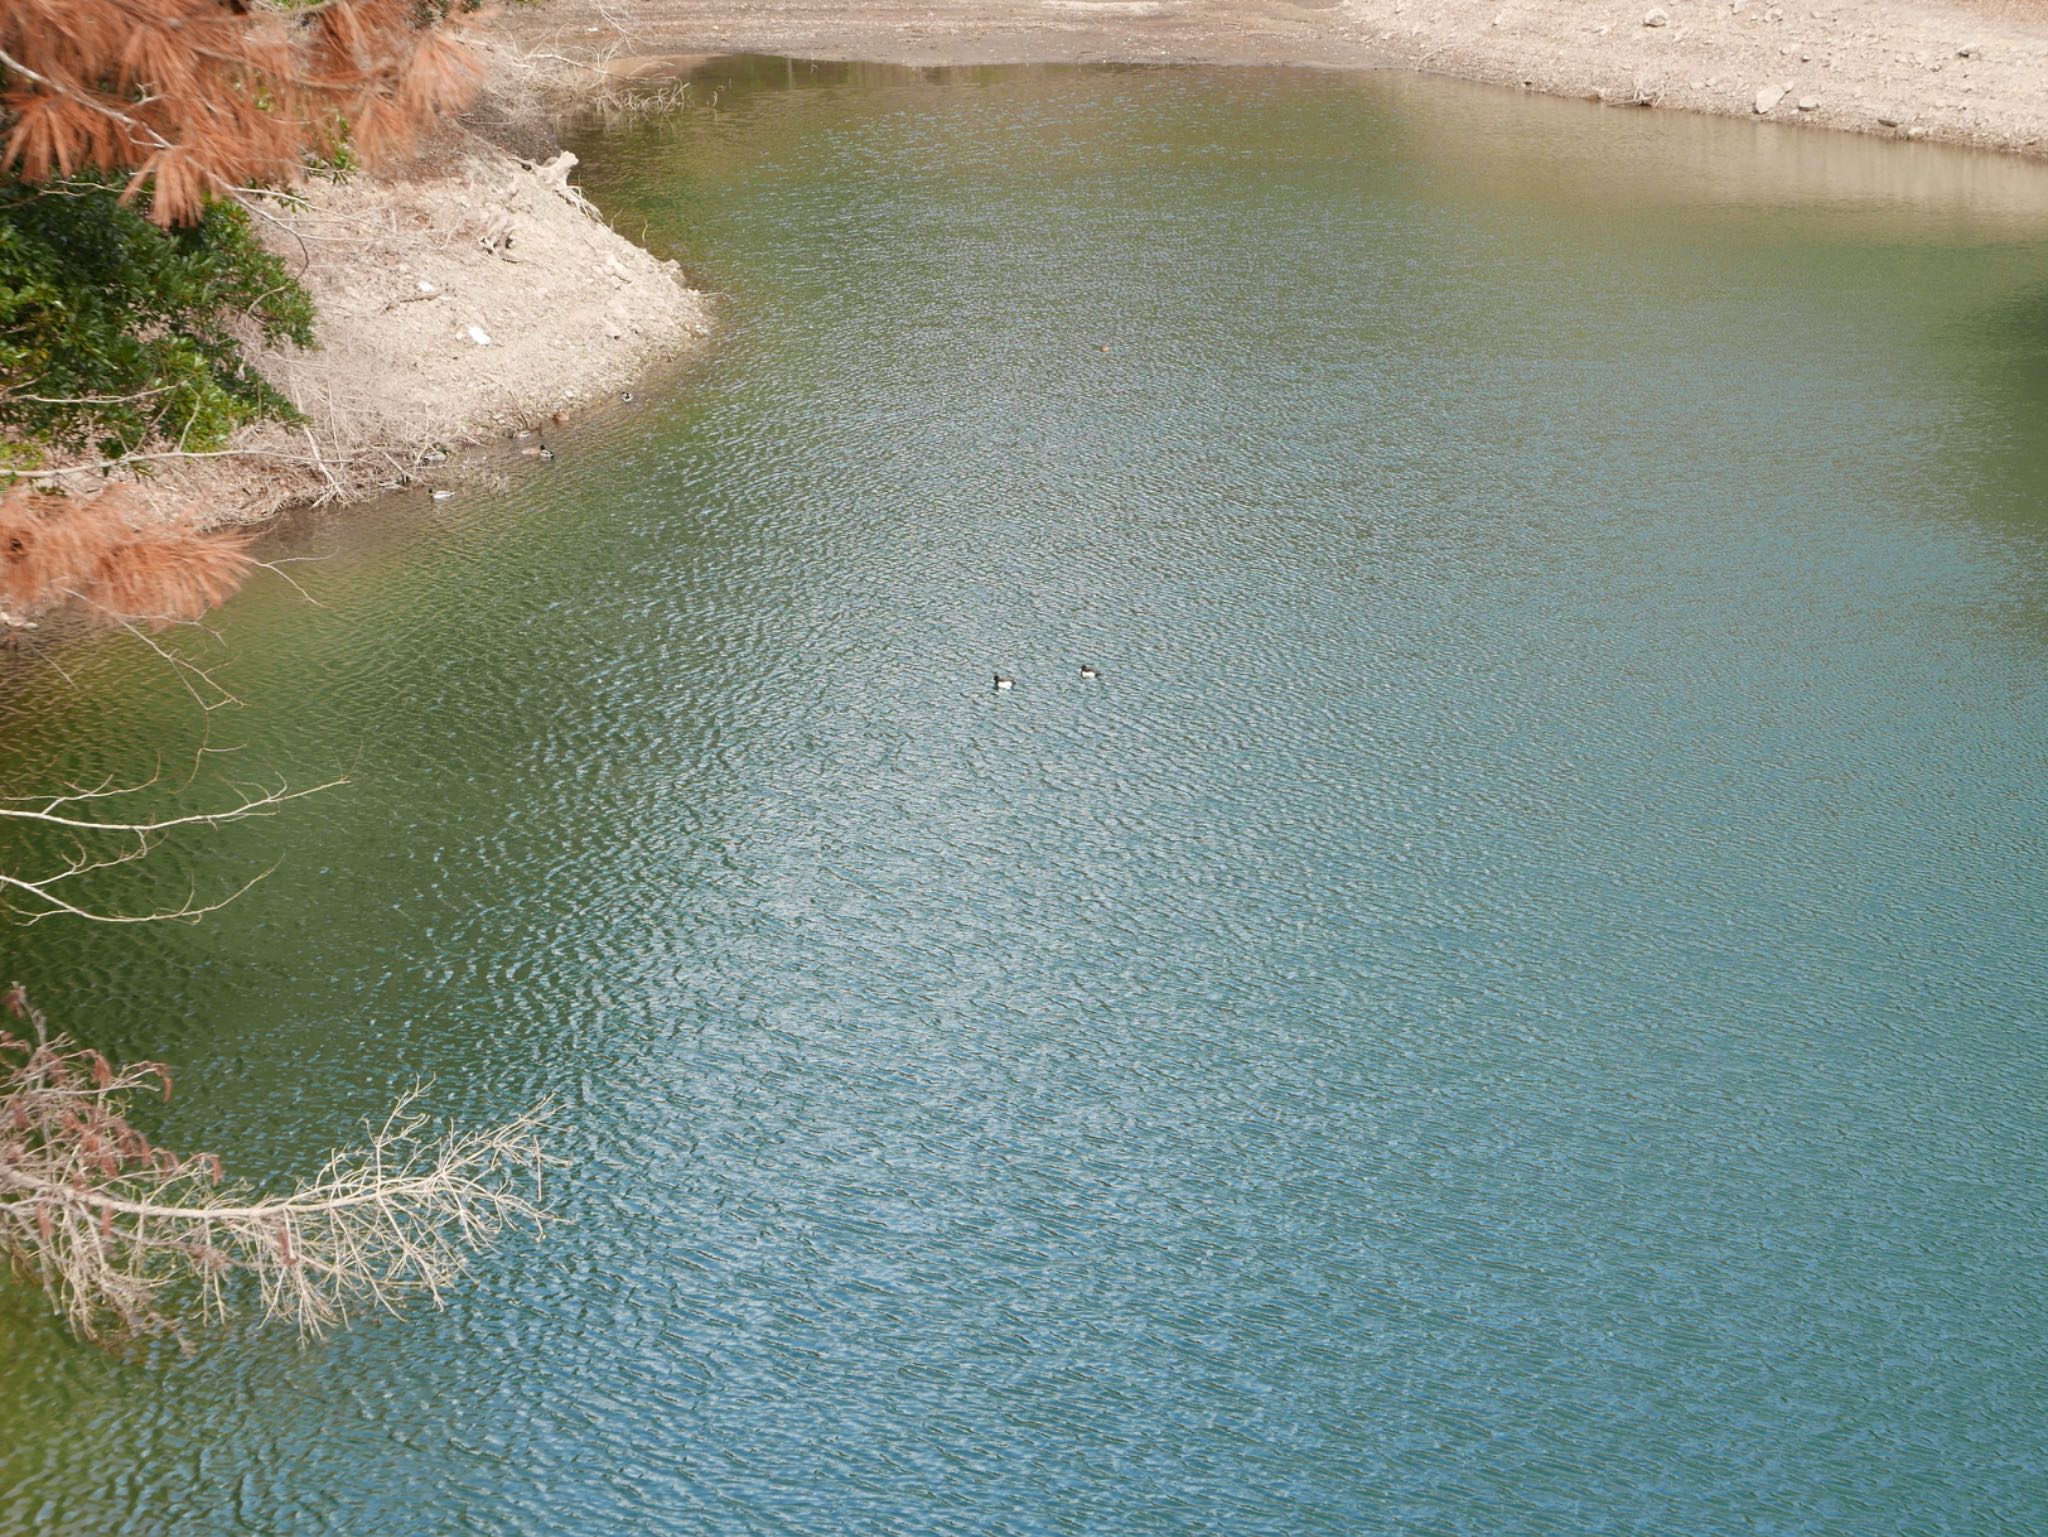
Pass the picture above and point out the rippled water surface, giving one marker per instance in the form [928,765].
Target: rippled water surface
[1515,1005]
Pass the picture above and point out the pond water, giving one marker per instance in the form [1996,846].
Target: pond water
[1514,1004]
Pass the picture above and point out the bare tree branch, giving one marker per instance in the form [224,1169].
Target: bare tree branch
[107,1221]
[102,843]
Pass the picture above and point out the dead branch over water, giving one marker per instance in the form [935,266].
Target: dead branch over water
[93,843]
[108,1223]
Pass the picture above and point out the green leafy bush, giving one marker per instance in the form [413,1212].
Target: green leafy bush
[111,329]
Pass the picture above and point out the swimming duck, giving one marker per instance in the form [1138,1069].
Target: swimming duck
[1089,672]
[442,496]
[1003,682]
[547,455]
[626,396]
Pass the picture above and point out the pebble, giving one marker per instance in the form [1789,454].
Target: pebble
[480,336]
[1967,51]
[1889,116]
[1767,99]
[1808,103]
[1657,17]
[1916,132]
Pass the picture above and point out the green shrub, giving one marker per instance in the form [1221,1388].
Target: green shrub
[111,328]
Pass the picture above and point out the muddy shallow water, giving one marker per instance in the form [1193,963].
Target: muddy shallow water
[1512,1006]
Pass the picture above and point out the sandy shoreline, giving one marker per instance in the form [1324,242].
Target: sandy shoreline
[1969,72]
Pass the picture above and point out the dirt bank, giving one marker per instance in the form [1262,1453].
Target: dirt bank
[471,295]
[1959,71]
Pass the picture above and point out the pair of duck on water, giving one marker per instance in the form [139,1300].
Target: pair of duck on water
[1004,680]
[545,454]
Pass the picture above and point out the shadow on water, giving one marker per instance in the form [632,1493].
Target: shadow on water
[2008,343]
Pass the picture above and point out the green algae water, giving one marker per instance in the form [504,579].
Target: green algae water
[1514,1005]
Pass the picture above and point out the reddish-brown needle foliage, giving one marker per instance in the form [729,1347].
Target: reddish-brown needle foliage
[196,99]
[95,550]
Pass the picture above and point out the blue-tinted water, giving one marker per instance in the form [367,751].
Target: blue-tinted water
[1513,1005]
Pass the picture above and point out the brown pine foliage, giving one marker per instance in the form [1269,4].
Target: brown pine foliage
[197,99]
[97,552]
